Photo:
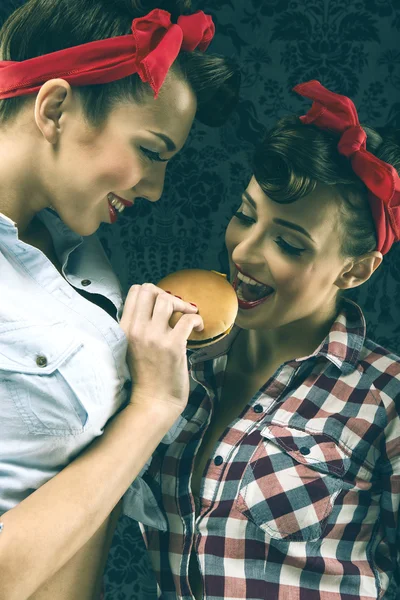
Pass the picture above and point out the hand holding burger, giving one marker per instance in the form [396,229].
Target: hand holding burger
[215,298]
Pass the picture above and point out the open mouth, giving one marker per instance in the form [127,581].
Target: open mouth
[116,206]
[251,293]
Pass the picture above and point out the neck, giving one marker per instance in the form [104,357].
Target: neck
[266,347]
[20,198]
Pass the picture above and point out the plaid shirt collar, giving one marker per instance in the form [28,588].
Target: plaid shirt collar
[342,346]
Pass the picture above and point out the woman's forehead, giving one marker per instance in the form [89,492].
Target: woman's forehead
[317,212]
[172,113]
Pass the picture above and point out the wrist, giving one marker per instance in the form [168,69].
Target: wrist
[163,412]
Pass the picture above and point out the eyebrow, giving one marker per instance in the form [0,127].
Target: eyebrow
[282,222]
[167,140]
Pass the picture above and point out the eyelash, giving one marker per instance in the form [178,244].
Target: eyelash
[153,156]
[287,248]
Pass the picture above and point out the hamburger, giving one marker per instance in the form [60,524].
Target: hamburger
[213,295]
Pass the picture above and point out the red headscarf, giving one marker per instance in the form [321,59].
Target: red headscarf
[150,50]
[337,113]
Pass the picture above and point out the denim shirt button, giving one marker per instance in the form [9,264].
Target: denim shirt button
[41,361]
[127,384]
[85,282]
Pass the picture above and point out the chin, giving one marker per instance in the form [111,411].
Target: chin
[265,317]
[248,322]
[84,229]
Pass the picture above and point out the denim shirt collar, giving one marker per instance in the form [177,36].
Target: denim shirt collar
[80,257]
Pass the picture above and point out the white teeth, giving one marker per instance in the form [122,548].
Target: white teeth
[240,293]
[117,204]
[248,280]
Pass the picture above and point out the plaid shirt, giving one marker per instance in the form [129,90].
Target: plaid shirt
[300,498]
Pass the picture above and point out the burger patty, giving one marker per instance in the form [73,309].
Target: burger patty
[207,341]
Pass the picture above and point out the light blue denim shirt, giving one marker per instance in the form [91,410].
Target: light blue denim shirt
[63,370]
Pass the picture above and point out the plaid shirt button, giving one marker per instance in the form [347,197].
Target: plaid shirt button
[218,460]
[258,408]
[304,450]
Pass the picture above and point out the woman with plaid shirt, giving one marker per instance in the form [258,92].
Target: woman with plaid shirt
[283,477]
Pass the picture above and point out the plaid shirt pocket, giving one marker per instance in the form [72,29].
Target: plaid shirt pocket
[291,482]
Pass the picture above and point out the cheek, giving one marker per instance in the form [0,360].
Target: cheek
[114,166]
[119,164]
[293,277]
[307,283]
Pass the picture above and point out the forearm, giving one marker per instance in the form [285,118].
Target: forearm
[82,576]
[50,526]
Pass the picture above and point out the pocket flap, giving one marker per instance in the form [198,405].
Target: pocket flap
[35,349]
[313,449]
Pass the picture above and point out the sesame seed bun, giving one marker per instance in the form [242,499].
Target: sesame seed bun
[215,298]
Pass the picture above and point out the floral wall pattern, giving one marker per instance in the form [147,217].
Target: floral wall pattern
[350,46]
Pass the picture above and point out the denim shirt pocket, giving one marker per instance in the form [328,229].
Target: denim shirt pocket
[48,375]
[291,483]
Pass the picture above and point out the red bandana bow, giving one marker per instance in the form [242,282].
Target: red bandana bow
[150,51]
[337,113]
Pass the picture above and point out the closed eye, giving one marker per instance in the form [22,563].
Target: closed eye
[288,248]
[244,218]
[153,156]
[285,247]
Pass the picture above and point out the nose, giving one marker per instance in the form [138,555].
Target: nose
[246,249]
[151,186]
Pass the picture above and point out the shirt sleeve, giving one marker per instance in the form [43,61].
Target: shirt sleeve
[141,500]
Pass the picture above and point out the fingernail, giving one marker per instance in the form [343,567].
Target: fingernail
[193,304]
[168,292]
[177,297]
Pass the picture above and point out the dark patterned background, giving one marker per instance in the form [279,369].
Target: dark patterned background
[351,47]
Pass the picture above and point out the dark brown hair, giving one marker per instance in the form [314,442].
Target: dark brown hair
[294,157]
[42,26]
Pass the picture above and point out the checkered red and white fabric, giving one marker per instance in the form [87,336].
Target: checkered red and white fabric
[300,498]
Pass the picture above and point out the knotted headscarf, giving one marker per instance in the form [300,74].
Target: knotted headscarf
[337,113]
[149,50]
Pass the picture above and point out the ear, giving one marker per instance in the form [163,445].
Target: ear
[359,270]
[54,99]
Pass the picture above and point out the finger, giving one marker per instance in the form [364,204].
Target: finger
[143,310]
[185,326]
[162,312]
[178,305]
[146,303]
[129,307]
[141,301]
[165,306]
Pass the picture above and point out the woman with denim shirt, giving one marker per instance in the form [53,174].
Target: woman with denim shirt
[95,98]
[284,481]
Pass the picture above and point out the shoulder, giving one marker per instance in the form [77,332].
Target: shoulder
[368,364]
[380,373]
[379,361]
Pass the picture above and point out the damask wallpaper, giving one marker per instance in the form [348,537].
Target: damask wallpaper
[350,46]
